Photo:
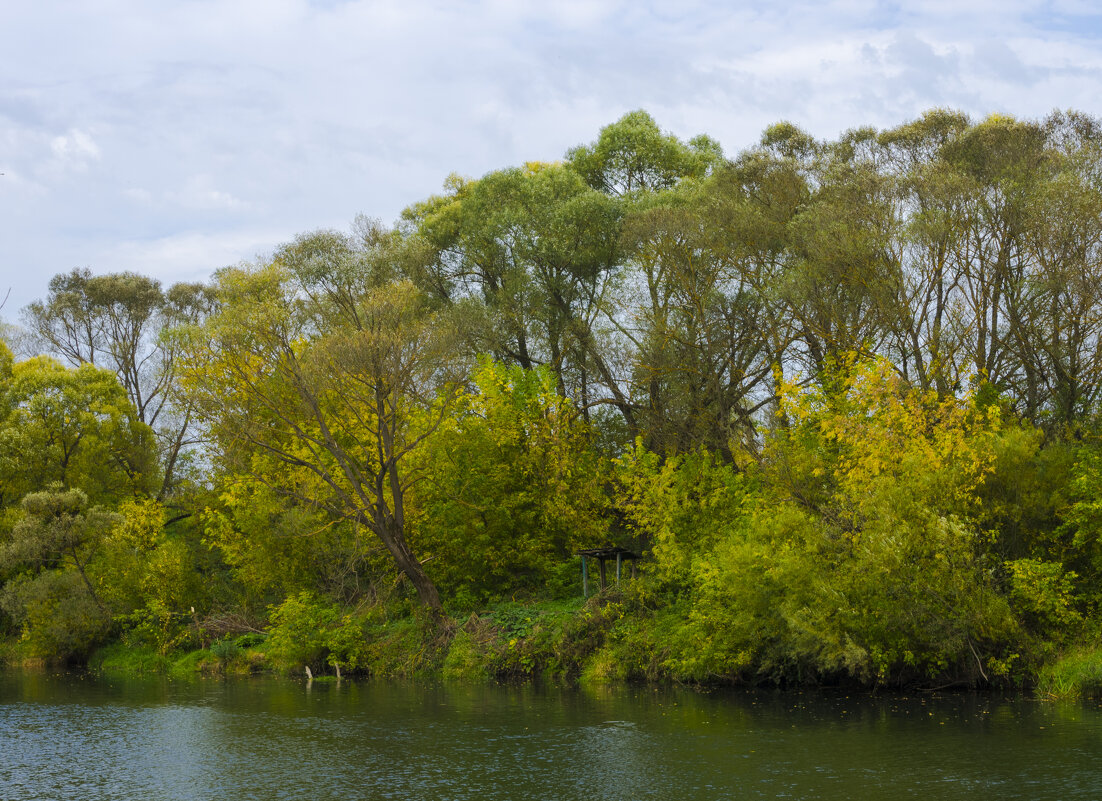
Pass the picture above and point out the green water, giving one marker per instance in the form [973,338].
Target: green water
[79,737]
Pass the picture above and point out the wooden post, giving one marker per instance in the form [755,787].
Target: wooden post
[585,579]
[602,561]
[618,556]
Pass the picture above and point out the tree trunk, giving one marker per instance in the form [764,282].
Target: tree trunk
[395,542]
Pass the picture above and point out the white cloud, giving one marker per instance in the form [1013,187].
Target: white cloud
[200,193]
[183,135]
[74,150]
[139,195]
[189,256]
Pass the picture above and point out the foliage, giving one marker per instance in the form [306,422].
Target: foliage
[842,395]
[683,506]
[1074,675]
[512,486]
[60,620]
[276,548]
[306,631]
[121,321]
[73,426]
[318,381]
[859,556]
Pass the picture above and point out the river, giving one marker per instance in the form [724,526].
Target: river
[77,736]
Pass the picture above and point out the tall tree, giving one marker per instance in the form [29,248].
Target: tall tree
[533,253]
[702,322]
[121,321]
[318,377]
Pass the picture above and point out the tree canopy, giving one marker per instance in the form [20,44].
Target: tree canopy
[842,396]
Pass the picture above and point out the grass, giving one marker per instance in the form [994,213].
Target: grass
[135,661]
[1076,674]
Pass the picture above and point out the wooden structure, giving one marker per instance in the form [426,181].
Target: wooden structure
[602,555]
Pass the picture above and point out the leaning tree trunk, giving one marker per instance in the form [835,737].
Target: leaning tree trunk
[390,532]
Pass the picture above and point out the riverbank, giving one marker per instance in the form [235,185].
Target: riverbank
[609,639]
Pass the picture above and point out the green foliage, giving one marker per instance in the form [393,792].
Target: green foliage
[50,596]
[60,620]
[512,487]
[225,649]
[632,155]
[840,394]
[682,505]
[307,631]
[1083,518]
[858,554]
[143,567]
[127,659]
[1043,594]
[1073,675]
[320,383]
[1024,497]
[75,427]
[466,661]
[276,547]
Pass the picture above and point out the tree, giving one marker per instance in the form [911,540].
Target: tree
[318,376]
[122,321]
[73,426]
[59,529]
[532,255]
[703,322]
[633,156]
[512,486]
[50,593]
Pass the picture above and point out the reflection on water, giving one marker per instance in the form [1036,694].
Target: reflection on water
[78,737]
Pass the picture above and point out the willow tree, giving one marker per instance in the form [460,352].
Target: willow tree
[702,322]
[318,374]
[533,254]
[120,321]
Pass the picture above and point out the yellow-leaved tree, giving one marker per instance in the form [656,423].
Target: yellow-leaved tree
[865,556]
[319,373]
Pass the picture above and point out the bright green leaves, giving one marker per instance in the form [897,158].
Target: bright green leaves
[683,505]
[318,378]
[71,426]
[306,630]
[512,486]
[632,156]
[531,258]
[856,549]
[871,432]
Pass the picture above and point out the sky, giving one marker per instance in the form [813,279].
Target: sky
[173,138]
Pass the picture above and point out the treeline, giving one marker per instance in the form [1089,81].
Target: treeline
[842,395]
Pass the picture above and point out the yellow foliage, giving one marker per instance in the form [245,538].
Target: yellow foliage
[879,430]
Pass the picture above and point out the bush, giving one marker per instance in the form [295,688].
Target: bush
[59,619]
[307,631]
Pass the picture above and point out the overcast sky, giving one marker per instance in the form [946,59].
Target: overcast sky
[173,138]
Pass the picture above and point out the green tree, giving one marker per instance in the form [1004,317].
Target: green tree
[72,426]
[319,379]
[50,593]
[704,327]
[633,156]
[531,255]
[122,322]
[512,486]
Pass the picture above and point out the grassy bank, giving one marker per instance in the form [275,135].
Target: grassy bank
[612,638]
[1075,674]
